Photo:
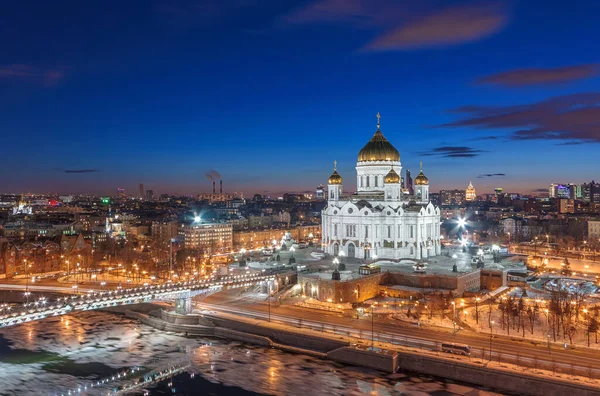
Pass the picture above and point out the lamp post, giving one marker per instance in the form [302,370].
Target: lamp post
[535,247]
[372,327]
[548,326]
[477,310]
[491,325]
[454,317]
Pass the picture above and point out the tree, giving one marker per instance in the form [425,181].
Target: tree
[566,268]
[520,310]
[592,327]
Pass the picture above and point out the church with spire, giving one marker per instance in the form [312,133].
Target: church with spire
[381,219]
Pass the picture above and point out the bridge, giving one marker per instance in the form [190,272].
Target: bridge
[181,292]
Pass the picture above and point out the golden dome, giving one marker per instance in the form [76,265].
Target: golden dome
[392,177]
[378,148]
[335,178]
[421,180]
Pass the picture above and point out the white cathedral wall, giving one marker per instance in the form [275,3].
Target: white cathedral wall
[414,234]
[374,172]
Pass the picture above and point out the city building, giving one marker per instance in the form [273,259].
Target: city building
[470,194]
[594,229]
[378,221]
[566,205]
[210,237]
[452,197]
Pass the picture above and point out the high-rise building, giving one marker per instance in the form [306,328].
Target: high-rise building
[470,194]
[562,190]
[566,205]
[149,195]
[320,193]
[590,192]
[121,193]
[142,190]
[409,183]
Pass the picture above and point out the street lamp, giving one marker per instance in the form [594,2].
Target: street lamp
[491,325]
[477,310]
[548,326]
[372,327]
[454,317]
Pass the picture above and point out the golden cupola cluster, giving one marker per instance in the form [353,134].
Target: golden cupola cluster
[335,177]
[421,179]
[392,177]
[378,148]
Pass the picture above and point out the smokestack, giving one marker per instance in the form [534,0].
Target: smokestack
[221,186]
[214,185]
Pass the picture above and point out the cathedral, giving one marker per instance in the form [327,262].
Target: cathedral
[381,220]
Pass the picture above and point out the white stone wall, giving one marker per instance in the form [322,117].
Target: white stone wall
[370,174]
[391,233]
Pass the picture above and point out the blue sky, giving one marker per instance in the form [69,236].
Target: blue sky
[269,93]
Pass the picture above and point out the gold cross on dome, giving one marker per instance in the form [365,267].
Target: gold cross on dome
[334,165]
[421,164]
[378,119]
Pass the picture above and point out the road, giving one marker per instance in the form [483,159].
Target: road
[524,349]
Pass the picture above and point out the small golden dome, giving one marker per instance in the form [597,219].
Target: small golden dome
[392,177]
[335,178]
[421,180]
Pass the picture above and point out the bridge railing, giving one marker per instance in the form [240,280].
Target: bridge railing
[43,308]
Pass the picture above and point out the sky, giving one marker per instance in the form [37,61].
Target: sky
[97,95]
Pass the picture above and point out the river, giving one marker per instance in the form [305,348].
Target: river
[98,353]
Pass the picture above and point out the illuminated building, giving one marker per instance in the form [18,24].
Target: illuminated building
[378,220]
[470,194]
[211,237]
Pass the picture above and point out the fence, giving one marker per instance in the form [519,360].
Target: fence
[477,354]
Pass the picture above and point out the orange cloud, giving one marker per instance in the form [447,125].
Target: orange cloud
[47,77]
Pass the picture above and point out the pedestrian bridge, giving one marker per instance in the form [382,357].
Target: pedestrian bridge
[181,292]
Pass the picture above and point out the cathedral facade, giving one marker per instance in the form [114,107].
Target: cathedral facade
[381,220]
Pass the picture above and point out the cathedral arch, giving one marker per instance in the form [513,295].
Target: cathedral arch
[351,250]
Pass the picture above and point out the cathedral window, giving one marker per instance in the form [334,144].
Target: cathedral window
[366,231]
[367,181]
[376,181]
[389,231]
[411,233]
[335,230]
[331,194]
[412,251]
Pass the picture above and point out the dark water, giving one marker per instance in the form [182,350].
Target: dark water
[95,353]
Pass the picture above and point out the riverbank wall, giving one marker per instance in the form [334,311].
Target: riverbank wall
[342,350]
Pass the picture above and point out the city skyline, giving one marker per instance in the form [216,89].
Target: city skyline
[270,94]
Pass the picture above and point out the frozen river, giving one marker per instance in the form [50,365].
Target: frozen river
[97,353]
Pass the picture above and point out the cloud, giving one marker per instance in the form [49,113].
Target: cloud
[448,27]
[487,138]
[573,119]
[77,170]
[454,152]
[407,25]
[45,77]
[486,175]
[542,76]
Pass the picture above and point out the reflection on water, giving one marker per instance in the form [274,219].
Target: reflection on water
[96,353]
